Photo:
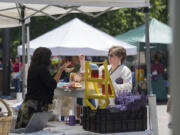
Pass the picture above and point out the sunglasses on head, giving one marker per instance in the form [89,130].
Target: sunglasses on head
[111,55]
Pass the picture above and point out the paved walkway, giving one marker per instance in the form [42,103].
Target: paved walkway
[163,120]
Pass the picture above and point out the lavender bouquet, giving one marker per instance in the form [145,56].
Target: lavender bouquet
[128,101]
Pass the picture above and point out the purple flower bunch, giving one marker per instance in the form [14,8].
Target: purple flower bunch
[127,101]
[118,108]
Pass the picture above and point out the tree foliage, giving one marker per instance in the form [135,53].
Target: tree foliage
[113,22]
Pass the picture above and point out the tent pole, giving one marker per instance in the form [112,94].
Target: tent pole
[175,66]
[148,64]
[5,61]
[138,66]
[28,60]
[23,50]
[28,46]
[151,98]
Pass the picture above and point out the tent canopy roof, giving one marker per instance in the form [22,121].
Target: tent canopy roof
[12,8]
[9,23]
[158,33]
[75,37]
[92,3]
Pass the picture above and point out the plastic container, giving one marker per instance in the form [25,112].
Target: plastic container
[109,89]
[95,73]
[108,121]
[19,97]
[72,120]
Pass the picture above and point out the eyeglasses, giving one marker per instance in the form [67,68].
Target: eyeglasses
[111,55]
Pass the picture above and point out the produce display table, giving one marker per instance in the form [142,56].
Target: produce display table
[60,128]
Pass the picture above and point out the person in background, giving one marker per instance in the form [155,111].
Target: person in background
[40,86]
[158,86]
[1,66]
[17,69]
[80,76]
[82,63]
[157,67]
[65,73]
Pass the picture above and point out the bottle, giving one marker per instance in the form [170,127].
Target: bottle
[72,120]
[94,71]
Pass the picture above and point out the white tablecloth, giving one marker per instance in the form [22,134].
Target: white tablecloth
[67,92]
[60,128]
[75,93]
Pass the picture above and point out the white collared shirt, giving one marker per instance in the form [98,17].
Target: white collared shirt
[122,73]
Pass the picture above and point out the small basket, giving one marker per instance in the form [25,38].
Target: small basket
[5,121]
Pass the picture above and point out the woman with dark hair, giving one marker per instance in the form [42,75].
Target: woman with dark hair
[40,86]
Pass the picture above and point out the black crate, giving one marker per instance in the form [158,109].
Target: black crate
[138,124]
[124,125]
[131,126]
[110,121]
[118,126]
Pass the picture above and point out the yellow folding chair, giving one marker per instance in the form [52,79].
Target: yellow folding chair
[95,93]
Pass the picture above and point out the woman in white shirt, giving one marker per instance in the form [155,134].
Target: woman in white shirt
[120,74]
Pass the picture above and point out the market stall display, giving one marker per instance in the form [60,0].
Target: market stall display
[132,119]
[109,121]
[128,114]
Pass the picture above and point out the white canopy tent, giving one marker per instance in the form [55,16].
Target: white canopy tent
[75,37]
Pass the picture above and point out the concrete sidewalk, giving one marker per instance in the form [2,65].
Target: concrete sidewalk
[163,120]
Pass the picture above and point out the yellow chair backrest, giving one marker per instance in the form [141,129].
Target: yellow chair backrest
[92,81]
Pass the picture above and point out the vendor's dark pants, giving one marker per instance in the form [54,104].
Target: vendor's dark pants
[17,85]
[27,109]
